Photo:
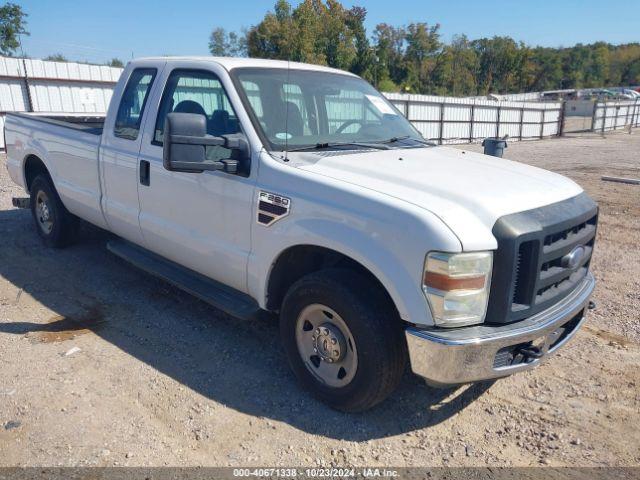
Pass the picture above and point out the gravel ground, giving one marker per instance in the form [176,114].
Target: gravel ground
[103,365]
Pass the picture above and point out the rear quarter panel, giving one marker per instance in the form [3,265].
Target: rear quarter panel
[70,155]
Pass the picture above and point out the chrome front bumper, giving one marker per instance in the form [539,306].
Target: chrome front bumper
[462,355]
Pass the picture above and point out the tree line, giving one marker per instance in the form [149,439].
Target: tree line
[411,58]
[414,58]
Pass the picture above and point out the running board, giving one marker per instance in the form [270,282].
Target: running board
[227,299]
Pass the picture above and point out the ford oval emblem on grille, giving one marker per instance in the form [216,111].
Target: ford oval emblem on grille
[574,257]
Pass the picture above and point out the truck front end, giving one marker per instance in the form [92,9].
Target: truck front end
[510,308]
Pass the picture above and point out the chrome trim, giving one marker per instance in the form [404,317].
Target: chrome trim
[463,355]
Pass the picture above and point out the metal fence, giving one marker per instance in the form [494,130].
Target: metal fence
[460,120]
[30,85]
[617,115]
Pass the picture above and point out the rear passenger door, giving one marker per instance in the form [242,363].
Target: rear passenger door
[121,140]
[199,220]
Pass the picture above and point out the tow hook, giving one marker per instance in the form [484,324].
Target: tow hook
[592,305]
[530,352]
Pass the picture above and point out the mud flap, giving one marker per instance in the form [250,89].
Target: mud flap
[19,202]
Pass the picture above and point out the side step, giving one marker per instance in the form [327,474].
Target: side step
[222,297]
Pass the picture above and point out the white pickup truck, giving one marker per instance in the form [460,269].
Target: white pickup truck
[300,190]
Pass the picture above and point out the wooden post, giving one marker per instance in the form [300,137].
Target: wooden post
[542,123]
[473,114]
[561,118]
[633,115]
[441,123]
[594,115]
[521,123]
[498,121]
[604,118]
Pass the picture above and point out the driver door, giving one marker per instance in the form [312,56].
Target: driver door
[199,220]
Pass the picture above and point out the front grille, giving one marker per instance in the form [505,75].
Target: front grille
[554,278]
[531,267]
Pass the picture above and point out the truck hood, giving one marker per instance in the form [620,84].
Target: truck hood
[468,191]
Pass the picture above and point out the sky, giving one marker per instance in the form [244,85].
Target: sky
[96,31]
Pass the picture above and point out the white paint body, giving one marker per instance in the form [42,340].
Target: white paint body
[384,209]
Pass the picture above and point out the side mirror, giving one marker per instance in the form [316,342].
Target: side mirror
[186,141]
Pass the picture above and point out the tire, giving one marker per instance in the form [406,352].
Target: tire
[373,336]
[54,224]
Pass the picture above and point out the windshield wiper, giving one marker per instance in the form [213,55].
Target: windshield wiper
[325,145]
[407,137]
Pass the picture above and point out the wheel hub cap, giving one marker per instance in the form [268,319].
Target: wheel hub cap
[43,212]
[329,343]
[326,345]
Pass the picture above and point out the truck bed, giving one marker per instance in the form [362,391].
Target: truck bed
[92,124]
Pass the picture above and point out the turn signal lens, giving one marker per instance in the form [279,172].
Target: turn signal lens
[447,283]
[457,287]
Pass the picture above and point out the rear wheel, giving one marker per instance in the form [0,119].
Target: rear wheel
[55,225]
[343,339]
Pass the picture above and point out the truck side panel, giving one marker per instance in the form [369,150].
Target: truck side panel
[70,156]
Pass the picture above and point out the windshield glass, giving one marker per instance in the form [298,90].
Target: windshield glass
[293,109]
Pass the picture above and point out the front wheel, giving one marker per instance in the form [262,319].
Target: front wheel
[343,339]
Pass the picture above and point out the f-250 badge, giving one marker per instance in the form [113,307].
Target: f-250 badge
[272,207]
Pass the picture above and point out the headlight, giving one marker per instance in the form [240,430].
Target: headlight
[457,287]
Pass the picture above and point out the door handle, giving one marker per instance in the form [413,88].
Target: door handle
[145,171]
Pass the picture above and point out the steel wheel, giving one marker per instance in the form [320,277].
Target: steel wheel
[43,212]
[326,345]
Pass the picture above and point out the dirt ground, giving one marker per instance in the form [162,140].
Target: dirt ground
[103,365]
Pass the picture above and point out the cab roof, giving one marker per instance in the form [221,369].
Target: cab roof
[229,63]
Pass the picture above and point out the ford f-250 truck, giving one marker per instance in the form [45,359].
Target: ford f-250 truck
[300,190]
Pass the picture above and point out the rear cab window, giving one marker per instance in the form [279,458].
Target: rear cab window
[134,99]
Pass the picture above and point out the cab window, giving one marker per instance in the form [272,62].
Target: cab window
[200,92]
[132,104]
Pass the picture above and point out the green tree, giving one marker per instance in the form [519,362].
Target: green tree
[597,71]
[363,63]
[116,62]
[543,70]
[456,68]
[387,85]
[309,43]
[423,48]
[389,48]
[227,44]
[273,36]
[624,66]
[499,61]
[56,57]
[316,31]
[12,25]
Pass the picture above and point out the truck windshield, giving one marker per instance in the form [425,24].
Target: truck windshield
[299,109]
